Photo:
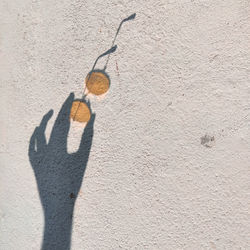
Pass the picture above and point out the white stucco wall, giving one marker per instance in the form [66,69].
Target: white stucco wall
[154,180]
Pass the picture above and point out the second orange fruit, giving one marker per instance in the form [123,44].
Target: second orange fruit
[80,112]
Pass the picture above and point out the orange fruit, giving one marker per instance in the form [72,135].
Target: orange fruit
[97,82]
[80,112]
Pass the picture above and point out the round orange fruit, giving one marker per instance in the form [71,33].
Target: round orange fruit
[80,112]
[97,82]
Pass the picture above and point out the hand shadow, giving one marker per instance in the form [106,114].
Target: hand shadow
[59,174]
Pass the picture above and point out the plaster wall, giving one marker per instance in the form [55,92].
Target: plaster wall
[169,164]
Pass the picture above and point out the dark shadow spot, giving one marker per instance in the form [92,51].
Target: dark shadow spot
[207,141]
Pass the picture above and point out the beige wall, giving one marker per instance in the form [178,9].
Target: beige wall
[169,164]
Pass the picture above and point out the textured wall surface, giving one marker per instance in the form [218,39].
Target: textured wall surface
[169,164]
